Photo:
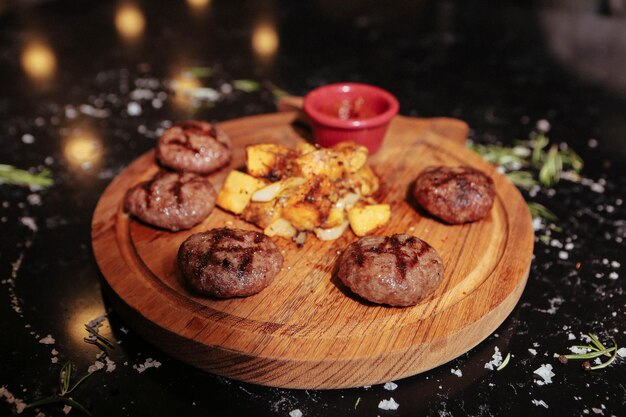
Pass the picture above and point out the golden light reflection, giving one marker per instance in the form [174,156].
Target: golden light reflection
[76,324]
[198,4]
[129,21]
[265,41]
[38,61]
[184,86]
[82,149]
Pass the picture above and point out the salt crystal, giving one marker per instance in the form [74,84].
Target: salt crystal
[577,350]
[597,410]
[149,363]
[295,413]
[592,143]
[571,336]
[496,360]
[540,403]
[34,199]
[563,255]
[390,386]
[533,351]
[28,139]
[613,275]
[569,246]
[110,364]
[54,352]
[389,404]
[615,264]
[48,340]
[456,372]
[29,222]
[622,352]
[546,374]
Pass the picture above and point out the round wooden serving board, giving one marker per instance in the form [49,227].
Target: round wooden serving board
[306,330]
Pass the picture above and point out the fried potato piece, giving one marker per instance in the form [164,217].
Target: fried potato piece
[310,204]
[262,214]
[237,191]
[365,219]
[269,161]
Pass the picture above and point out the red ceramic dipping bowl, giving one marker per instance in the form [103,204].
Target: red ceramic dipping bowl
[350,112]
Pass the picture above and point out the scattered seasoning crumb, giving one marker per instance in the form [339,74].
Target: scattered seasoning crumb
[563,255]
[613,275]
[12,399]
[554,305]
[54,359]
[124,330]
[110,364]
[540,403]
[597,410]
[28,139]
[34,199]
[48,340]
[97,365]
[456,372]
[390,386]
[533,352]
[389,404]
[496,360]
[546,374]
[149,363]
[571,336]
[295,413]
[67,409]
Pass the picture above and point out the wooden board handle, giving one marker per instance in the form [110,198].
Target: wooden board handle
[448,128]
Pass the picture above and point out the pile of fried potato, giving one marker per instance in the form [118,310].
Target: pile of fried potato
[289,192]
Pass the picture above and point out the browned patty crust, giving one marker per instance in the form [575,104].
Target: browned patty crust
[398,270]
[455,194]
[194,146]
[171,200]
[228,263]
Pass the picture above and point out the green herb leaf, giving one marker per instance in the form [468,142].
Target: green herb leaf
[540,211]
[552,167]
[247,86]
[12,175]
[541,141]
[522,179]
[610,361]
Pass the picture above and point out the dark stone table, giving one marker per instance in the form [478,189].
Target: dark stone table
[88,86]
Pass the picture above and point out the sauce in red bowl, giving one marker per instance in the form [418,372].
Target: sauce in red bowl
[350,112]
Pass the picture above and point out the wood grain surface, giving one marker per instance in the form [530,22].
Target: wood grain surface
[307,330]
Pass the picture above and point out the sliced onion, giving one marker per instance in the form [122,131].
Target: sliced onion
[332,233]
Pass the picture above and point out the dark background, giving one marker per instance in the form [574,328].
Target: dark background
[500,66]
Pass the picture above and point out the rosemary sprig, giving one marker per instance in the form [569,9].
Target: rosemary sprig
[95,337]
[550,172]
[65,377]
[539,210]
[598,349]
[200,72]
[505,362]
[12,175]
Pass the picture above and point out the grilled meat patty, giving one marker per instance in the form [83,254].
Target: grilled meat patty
[228,263]
[171,200]
[194,146]
[455,194]
[398,270]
